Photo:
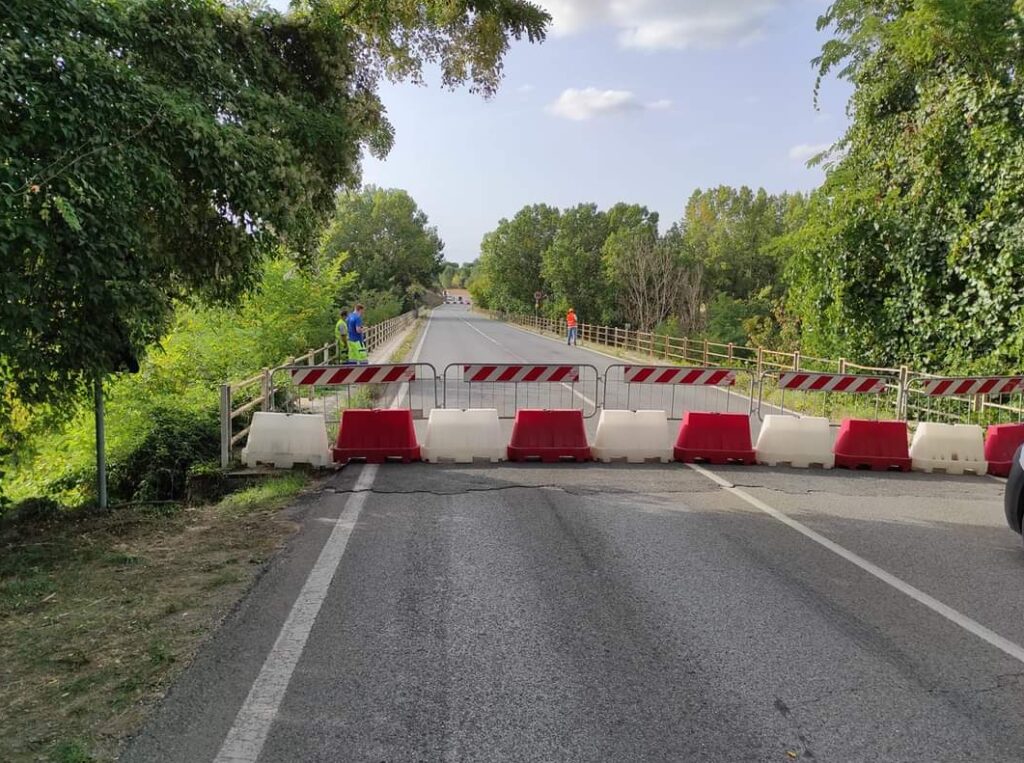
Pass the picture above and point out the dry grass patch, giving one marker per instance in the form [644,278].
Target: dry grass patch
[99,614]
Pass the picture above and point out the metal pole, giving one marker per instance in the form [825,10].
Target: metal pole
[101,446]
[225,423]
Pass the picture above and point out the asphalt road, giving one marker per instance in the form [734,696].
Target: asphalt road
[616,612]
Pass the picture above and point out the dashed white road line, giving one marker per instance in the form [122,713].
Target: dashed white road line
[957,618]
[244,741]
[569,387]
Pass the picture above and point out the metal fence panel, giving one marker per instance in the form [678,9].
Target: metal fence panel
[672,389]
[508,387]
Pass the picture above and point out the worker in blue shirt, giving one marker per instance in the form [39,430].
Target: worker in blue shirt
[356,336]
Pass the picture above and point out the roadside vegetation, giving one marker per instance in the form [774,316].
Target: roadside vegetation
[910,253]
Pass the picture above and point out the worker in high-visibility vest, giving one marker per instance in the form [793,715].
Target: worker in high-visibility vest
[341,337]
[356,336]
[570,321]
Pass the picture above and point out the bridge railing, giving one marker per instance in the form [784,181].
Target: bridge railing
[239,400]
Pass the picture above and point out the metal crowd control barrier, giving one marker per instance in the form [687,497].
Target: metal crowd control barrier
[981,399]
[332,389]
[672,389]
[508,387]
[828,385]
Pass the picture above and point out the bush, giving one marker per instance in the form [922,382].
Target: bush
[158,468]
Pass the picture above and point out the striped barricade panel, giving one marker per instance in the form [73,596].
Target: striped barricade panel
[520,373]
[703,377]
[322,376]
[973,385]
[812,382]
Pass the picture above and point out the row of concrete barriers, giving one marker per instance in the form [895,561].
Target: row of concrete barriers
[634,436]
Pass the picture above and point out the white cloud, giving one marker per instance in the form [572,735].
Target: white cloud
[804,152]
[661,24]
[581,105]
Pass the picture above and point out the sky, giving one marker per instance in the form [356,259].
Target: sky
[641,101]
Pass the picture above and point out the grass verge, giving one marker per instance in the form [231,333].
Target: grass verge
[99,614]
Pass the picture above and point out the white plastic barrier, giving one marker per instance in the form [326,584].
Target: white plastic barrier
[463,436]
[952,448]
[798,442]
[286,439]
[636,436]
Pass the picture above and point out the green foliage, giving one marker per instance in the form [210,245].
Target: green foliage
[163,419]
[382,236]
[914,248]
[512,256]
[572,267]
[158,150]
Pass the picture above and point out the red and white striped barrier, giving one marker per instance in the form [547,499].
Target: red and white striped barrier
[322,376]
[704,377]
[520,373]
[811,382]
[973,385]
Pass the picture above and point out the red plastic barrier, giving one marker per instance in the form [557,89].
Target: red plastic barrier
[875,445]
[716,438]
[1001,443]
[549,436]
[376,436]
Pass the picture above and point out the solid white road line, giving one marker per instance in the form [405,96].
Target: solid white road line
[244,742]
[405,391]
[958,618]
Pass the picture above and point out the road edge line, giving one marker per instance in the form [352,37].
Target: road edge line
[954,616]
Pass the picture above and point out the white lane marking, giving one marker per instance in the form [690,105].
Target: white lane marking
[244,741]
[958,618]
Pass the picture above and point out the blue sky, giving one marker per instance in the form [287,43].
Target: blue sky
[628,100]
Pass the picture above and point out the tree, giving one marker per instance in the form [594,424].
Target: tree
[512,255]
[646,274]
[157,151]
[915,244]
[729,231]
[572,265]
[385,238]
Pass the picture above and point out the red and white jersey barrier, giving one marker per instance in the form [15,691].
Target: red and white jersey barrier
[323,376]
[810,382]
[704,377]
[520,373]
[974,385]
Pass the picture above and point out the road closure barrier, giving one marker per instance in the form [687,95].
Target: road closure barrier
[950,448]
[283,440]
[632,436]
[875,445]
[376,436]
[463,436]
[801,442]
[1001,443]
[714,438]
[671,389]
[549,436]
[510,387]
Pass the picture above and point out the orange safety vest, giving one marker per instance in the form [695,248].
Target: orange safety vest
[570,319]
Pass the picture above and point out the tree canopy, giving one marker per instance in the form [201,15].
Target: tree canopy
[158,150]
[914,248]
[383,236]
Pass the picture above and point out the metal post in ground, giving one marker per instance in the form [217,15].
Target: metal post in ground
[225,425]
[101,446]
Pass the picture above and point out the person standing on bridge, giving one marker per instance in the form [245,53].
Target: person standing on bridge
[570,321]
[341,337]
[356,333]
